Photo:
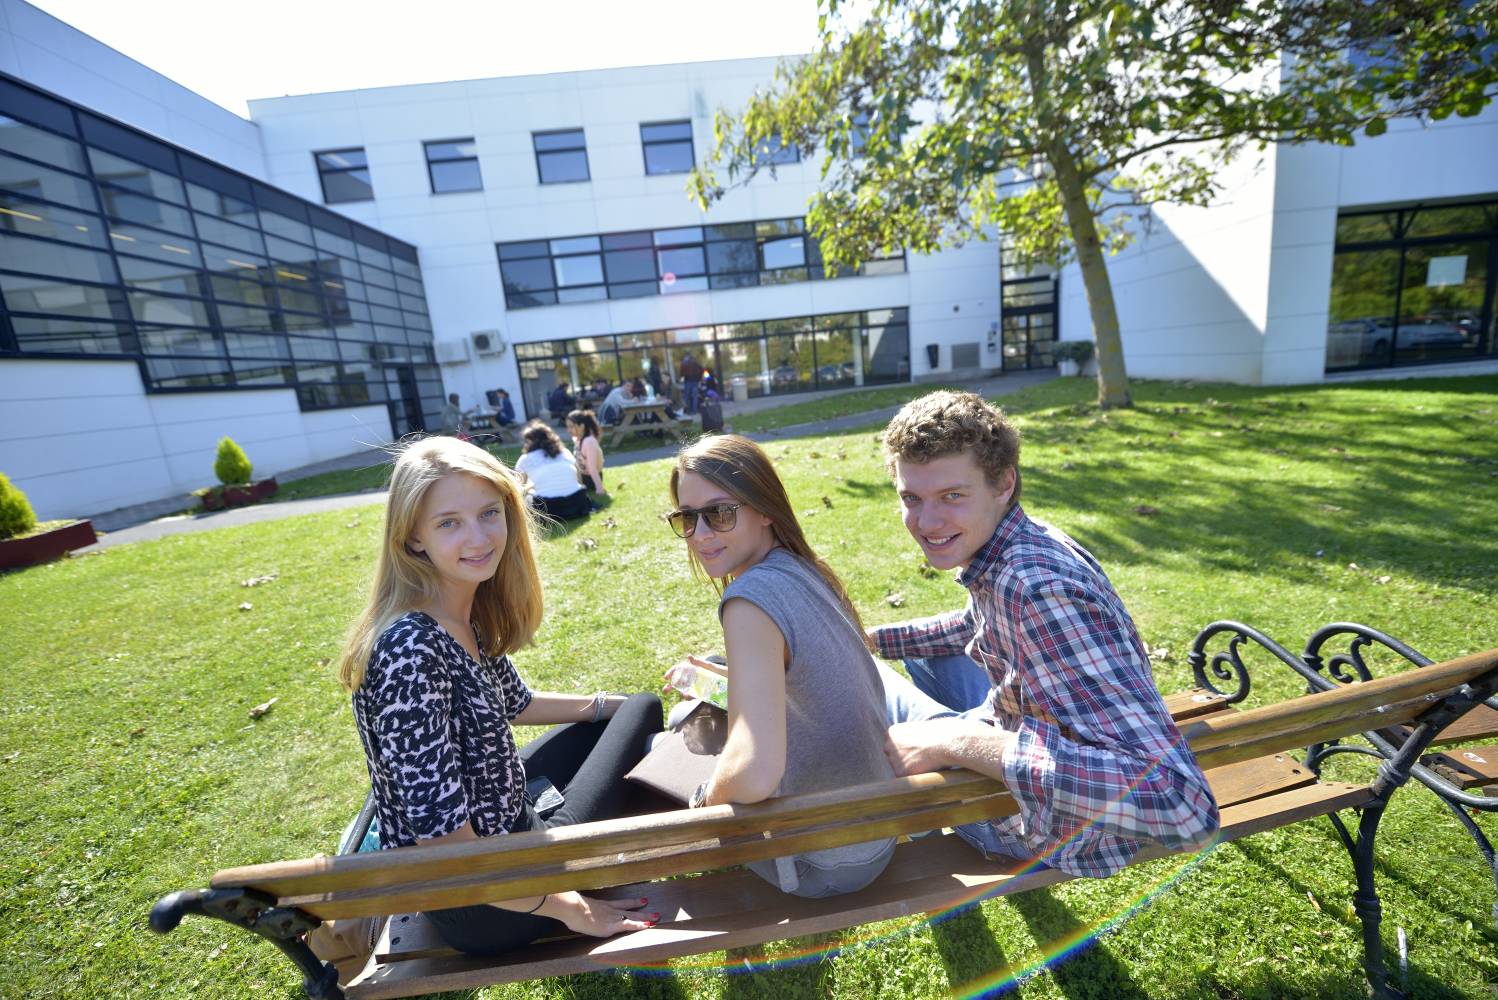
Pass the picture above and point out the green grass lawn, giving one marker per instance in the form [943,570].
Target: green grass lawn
[129,765]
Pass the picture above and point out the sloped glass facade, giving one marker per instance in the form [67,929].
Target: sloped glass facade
[114,244]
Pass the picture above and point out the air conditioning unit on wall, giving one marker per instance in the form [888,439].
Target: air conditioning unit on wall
[488,342]
[451,352]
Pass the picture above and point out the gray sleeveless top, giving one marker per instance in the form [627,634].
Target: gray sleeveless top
[834,701]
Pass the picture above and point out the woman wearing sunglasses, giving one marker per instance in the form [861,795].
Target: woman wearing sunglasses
[805,702]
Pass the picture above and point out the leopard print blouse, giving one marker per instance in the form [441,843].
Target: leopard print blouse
[435,726]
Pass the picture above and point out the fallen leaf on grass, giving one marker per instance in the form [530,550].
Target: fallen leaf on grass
[1331,508]
[256,581]
[11,758]
[810,513]
[587,544]
[608,522]
[137,732]
[1383,579]
[895,600]
[1145,510]
[1314,904]
[814,454]
[827,502]
[927,570]
[262,708]
[1353,566]
[246,606]
[1161,653]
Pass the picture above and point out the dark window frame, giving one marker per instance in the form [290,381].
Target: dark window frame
[647,144]
[426,149]
[581,147]
[323,173]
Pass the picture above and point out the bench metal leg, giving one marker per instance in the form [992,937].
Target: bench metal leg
[257,913]
[1365,903]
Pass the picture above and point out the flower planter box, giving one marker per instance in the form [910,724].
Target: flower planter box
[46,546]
[224,497]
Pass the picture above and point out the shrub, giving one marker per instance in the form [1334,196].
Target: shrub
[1079,351]
[16,515]
[232,465]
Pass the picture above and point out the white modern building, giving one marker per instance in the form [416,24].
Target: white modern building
[319,277]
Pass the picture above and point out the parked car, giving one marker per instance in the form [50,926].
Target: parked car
[1357,340]
[784,375]
[835,373]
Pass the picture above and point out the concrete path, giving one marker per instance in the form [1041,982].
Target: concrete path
[126,533]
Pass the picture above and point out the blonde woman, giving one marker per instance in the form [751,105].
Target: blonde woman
[806,707]
[456,591]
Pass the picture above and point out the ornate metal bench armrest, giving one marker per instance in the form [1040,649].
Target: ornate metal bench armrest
[1228,664]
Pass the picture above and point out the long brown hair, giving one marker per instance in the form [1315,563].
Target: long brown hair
[742,468]
[506,607]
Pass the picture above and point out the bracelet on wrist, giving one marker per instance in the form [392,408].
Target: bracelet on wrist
[540,904]
[600,701]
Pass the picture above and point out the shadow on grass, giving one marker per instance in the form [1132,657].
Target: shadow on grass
[799,978]
[968,949]
[1087,971]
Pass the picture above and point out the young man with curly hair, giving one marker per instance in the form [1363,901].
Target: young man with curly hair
[1061,703]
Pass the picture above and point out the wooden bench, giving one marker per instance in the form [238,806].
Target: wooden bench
[1244,754]
[636,420]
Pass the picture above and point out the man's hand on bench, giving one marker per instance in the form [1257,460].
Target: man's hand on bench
[934,744]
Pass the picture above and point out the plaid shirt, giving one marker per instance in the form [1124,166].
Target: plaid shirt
[1097,763]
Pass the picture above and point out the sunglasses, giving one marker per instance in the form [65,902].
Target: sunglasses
[720,517]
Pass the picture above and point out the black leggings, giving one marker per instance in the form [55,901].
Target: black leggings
[587,762]
[567,508]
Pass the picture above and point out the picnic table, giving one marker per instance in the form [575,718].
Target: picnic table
[484,423]
[636,420]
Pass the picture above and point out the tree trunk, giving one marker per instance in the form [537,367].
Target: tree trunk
[1112,379]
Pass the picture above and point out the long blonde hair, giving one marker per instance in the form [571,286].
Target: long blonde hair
[506,607]
[741,467]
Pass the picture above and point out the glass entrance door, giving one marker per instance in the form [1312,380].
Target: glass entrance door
[405,412]
[1029,340]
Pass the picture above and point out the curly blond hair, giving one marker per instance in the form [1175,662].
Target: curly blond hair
[947,423]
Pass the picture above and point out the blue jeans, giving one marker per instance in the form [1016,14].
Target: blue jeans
[689,391]
[905,702]
[954,680]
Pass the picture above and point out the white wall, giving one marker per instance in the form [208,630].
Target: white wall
[46,52]
[457,232]
[83,437]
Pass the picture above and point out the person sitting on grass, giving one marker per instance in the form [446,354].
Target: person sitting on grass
[552,473]
[1067,713]
[805,702]
[583,427]
[456,590]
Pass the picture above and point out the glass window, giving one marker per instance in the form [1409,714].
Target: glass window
[561,156]
[131,207]
[779,253]
[58,335]
[677,237]
[345,175]
[116,171]
[372,257]
[667,147]
[161,276]
[577,244]
[250,293]
[228,234]
[516,251]
[582,270]
[254,345]
[262,373]
[331,242]
[453,165]
[40,145]
[1376,227]
[61,298]
[168,311]
[22,215]
[187,373]
[627,241]
[1440,302]
[732,257]
[155,340]
[245,265]
[40,257]
[247,318]
[681,262]
[220,204]
[773,152]
[528,282]
[156,245]
[630,265]
[38,181]
[834,356]
[1457,220]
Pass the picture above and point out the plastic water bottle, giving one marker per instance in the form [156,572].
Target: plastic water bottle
[704,685]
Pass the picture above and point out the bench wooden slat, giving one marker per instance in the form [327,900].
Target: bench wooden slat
[410,937]
[1183,705]
[1479,724]
[1471,767]
[737,909]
